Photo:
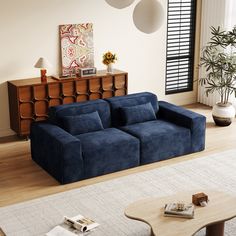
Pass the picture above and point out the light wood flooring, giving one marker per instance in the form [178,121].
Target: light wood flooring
[21,179]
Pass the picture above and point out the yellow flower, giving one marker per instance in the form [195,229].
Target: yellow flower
[108,58]
[109,55]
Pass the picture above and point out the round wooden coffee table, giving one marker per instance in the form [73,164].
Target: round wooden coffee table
[220,208]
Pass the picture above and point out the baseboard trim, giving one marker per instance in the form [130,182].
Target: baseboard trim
[178,100]
[6,132]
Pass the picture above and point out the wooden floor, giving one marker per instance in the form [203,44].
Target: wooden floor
[21,179]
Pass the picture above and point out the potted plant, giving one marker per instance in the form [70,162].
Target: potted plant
[219,60]
[108,59]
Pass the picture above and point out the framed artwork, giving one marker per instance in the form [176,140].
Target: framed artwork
[76,47]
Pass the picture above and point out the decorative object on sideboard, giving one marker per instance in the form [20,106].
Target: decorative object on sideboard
[43,64]
[219,60]
[83,72]
[60,77]
[148,15]
[108,60]
[76,47]
[119,4]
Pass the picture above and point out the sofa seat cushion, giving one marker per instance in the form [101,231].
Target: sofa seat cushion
[107,151]
[160,140]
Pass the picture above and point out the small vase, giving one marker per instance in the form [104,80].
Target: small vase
[110,68]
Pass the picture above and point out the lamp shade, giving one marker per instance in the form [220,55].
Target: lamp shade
[148,16]
[42,63]
[119,3]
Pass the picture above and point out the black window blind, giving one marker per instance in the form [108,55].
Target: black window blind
[180,45]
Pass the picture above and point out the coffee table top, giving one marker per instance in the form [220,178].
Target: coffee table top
[221,207]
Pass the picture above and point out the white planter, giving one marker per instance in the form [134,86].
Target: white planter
[223,114]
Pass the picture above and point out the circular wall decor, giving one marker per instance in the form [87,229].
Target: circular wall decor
[148,16]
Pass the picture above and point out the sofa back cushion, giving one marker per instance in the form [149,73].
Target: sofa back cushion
[57,113]
[83,123]
[117,103]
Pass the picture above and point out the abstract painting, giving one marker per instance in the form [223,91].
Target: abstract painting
[76,47]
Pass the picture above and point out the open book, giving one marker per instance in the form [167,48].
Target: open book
[76,225]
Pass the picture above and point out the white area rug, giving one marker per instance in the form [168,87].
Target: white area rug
[105,202]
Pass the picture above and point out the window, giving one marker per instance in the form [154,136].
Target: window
[180,45]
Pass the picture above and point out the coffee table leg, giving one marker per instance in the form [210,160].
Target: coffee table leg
[215,229]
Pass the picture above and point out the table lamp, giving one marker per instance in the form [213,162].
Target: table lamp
[43,64]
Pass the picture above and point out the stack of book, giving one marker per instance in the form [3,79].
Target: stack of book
[172,209]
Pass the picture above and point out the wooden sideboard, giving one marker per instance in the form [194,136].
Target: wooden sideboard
[29,99]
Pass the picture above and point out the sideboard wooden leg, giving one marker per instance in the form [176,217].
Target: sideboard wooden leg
[215,229]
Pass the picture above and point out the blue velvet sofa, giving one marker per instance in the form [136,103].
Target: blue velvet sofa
[88,139]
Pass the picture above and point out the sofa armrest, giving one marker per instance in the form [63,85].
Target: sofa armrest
[57,151]
[188,119]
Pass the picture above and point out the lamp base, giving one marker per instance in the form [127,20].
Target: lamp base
[43,75]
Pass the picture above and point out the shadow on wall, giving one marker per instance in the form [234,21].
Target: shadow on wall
[4,111]
[59,56]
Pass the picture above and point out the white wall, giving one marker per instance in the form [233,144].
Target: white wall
[29,30]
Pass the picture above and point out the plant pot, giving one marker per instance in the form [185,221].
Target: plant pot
[223,114]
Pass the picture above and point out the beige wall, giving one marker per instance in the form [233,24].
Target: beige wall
[29,30]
